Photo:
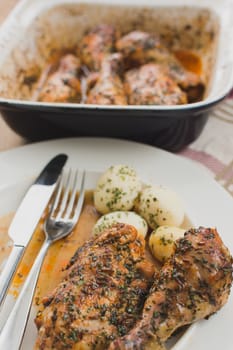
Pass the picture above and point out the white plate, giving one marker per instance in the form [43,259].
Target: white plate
[206,203]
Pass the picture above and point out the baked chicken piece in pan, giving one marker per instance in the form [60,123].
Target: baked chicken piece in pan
[193,284]
[109,89]
[63,84]
[151,85]
[96,44]
[188,81]
[139,47]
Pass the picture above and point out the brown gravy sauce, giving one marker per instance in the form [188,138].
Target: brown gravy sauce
[190,60]
[59,253]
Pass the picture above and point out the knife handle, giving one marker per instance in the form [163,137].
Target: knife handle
[13,331]
[9,270]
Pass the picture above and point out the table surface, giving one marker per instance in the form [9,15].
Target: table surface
[8,138]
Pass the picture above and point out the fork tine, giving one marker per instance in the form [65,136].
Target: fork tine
[65,196]
[74,189]
[80,198]
[64,203]
[57,198]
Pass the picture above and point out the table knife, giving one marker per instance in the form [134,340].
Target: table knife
[28,215]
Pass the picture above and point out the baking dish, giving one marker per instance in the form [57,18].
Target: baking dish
[36,30]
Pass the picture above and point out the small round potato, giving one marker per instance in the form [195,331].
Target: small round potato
[117,189]
[162,241]
[125,217]
[159,205]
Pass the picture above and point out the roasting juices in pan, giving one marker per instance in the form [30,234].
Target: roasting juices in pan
[133,271]
[109,68]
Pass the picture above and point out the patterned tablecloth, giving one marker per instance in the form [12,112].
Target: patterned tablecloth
[214,147]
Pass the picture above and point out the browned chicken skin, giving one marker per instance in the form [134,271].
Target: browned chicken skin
[103,295]
[187,81]
[151,85]
[63,85]
[96,44]
[109,89]
[192,285]
[139,48]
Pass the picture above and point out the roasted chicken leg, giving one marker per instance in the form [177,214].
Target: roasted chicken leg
[193,284]
[139,48]
[96,44]
[109,89]
[151,85]
[63,85]
[102,297]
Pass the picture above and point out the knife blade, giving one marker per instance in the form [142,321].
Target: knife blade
[28,215]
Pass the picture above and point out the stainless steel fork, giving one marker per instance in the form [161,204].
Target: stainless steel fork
[62,218]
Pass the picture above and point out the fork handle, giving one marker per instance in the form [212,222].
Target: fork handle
[13,331]
[9,270]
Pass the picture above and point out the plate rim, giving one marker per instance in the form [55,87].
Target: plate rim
[42,151]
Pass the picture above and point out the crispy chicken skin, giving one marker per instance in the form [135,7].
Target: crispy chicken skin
[63,85]
[187,81]
[96,44]
[151,85]
[139,48]
[109,89]
[102,296]
[192,285]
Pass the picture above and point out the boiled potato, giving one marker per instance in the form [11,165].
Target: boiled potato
[117,189]
[159,205]
[125,217]
[162,241]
